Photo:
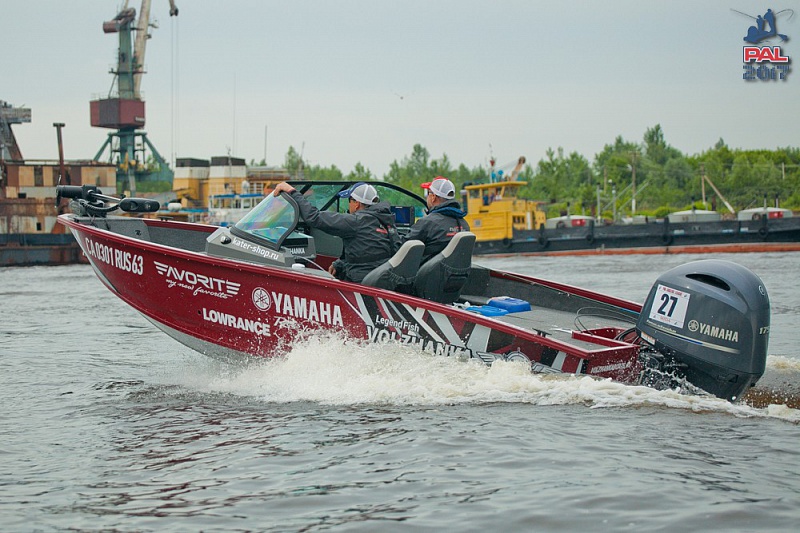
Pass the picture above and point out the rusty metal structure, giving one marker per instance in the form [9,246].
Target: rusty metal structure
[123,109]
[9,115]
[29,234]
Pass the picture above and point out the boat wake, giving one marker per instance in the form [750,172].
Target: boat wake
[779,385]
[330,370]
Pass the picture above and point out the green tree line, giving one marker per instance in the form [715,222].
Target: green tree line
[664,179]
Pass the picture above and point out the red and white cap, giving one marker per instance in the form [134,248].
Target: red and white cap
[441,187]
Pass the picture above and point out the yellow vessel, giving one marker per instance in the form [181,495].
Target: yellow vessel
[494,211]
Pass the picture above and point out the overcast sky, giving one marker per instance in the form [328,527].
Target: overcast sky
[364,80]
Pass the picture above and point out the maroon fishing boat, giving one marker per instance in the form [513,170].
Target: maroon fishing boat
[254,288]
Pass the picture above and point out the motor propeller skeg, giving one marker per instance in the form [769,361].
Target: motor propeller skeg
[92,200]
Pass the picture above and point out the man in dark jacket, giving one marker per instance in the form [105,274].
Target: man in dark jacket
[444,219]
[367,231]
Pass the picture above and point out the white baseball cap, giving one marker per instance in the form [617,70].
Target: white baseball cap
[441,187]
[361,192]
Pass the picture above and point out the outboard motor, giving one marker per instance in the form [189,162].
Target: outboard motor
[710,320]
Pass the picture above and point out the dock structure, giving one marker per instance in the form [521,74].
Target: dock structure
[10,115]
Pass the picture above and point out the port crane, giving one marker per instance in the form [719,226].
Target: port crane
[123,109]
[9,115]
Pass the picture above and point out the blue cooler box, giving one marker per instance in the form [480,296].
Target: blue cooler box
[512,305]
[487,310]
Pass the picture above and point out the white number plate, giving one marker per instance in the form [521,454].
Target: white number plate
[670,306]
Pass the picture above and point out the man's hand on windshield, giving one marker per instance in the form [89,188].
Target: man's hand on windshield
[282,187]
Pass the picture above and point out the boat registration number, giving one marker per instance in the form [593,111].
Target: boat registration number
[669,306]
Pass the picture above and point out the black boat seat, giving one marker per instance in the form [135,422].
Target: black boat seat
[399,270]
[444,275]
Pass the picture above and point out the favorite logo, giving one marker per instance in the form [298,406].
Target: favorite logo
[767,62]
[197,283]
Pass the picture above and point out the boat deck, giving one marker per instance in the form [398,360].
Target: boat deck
[559,325]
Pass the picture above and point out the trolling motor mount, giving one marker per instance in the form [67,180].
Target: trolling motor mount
[88,200]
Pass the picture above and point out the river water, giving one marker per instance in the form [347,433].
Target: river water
[109,425]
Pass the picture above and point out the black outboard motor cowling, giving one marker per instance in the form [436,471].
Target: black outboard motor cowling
[711,317]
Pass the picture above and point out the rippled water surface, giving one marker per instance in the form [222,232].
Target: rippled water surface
[109,425]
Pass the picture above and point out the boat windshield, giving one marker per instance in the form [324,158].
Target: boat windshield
[407,205]
[270,222]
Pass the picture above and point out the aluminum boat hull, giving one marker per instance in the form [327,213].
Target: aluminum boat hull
[223,307]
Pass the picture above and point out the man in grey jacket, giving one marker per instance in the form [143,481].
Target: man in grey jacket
[367,230]
[444,219]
